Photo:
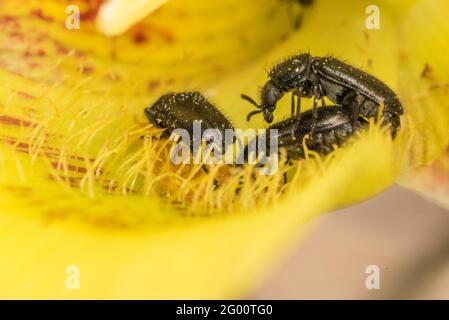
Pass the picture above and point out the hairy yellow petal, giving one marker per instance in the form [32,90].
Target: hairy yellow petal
[424,80]
[72,95]
[133,247]
[426,70]
[77,156]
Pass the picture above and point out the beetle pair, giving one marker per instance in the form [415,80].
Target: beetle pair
[333,127]
[357,95]
[318,77]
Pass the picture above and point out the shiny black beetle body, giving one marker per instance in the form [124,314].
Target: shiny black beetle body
[333,128]
[174,111]
[319,77]
[179,110]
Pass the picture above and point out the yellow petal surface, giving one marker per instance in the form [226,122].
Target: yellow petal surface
[424,63]
[432,181]
[71,119]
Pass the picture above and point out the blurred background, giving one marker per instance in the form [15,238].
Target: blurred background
[405,235]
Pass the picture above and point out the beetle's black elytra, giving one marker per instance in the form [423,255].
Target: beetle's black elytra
[333,128]
[319,77]
[179,111]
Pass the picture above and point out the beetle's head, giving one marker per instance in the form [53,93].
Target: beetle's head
[159,111]
[155,120]
[270,95]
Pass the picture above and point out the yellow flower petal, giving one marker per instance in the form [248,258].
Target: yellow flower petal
[424,80]
[117,16]
[431,181]
[71,117]
[427,96]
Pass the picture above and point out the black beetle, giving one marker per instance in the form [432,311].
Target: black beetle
[319,77]
[334,127]
[174,111]
[179,110]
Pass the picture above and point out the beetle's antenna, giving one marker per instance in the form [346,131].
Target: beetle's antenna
[251,114]
[250,100]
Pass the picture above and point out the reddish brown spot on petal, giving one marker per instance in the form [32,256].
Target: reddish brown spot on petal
[34,65]
[69,167]
[162,33]
[25,95]
[38,13]
[16,122]
[153,85]
[92,9]
[87,69]
[9,20]
[139,37]
[38,53]
[17,35]
[60,48]
[48,152]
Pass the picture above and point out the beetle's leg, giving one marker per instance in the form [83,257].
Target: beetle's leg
[297,114]
[323,103]
[353,100]
[296,105]
[356,111]
[293,107]
[314,116]
[295,127]
[293,113]
[356,103]
[319,94]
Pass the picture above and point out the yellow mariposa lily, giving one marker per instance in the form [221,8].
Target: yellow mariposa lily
[83,182]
